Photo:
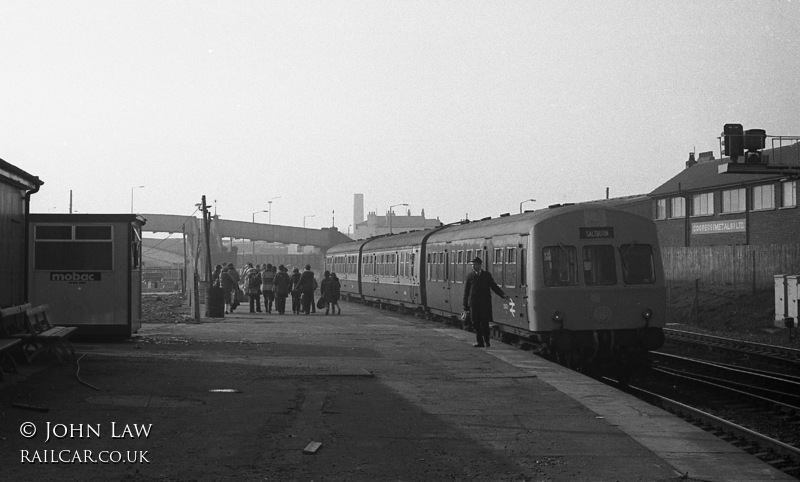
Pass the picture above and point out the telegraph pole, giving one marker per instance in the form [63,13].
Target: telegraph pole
[207,238]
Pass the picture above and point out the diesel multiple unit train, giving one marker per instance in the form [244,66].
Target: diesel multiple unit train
[585,282]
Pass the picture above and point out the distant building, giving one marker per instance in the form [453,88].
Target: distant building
[376,225]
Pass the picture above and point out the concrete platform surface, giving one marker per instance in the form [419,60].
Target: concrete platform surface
[367,395]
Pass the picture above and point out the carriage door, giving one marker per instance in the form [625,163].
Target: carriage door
[448,283]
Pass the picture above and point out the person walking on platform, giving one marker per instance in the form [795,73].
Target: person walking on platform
[336,287]
[228,288]
[326,291]
[236,277]
[252,282]
[307,286]
[296,290]
[267,284]
[282,287]
[478,300]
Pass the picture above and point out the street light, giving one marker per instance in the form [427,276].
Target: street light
[253,240]
[304,219]
[132,188]
[390,214]
[270,207]
[254,214]
[523,202]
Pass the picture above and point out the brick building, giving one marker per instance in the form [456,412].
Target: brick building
[700,207]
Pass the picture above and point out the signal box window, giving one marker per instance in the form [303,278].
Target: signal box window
[560,264]
[789,194]
[661,209]
[599,268]
[764,197]
[678,207]
[733,201]
[637,264]
[703,204]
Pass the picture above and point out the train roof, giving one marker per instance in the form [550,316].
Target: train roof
[502,225]
[522,223]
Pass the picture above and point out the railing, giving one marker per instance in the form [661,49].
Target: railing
[163,280]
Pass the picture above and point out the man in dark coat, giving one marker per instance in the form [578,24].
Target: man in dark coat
[307,286]
[282,286]
[478,300]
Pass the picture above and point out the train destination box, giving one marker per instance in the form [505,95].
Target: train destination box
[87,267]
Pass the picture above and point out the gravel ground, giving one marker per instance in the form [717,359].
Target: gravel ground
[164,308]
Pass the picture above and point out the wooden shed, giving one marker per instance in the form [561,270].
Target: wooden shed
[16,188]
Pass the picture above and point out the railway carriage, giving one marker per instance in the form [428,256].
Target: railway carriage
[585,282]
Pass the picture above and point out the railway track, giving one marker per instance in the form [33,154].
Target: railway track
[780,455]
[771,355]
[756,410]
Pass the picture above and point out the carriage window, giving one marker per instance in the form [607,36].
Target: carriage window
[637,264]
[510,268]
[560,264]
[598,265]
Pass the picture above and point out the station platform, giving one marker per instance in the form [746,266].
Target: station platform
[366,395]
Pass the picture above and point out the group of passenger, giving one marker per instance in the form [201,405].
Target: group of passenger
[275,284]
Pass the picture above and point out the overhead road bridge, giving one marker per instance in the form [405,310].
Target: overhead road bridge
[322,238]
[195,246]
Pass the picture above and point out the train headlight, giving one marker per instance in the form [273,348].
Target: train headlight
[647,314]
[558,316]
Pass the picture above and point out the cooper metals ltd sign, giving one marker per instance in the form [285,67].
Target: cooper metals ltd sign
[720,227]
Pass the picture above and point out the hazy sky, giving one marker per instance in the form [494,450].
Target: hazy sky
[456,107]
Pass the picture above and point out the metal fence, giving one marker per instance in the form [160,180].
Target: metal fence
[163,280]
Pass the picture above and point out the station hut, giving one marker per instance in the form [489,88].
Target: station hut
[16,188]
[87,267]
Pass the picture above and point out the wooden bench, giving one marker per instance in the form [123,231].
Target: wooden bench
[12,323]
[7,347]
[42,337]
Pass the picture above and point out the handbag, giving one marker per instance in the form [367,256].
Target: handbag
[464,316]
[240,296]
[321,302]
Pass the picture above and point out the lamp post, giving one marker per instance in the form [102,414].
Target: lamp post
[254,214]
[523,202]
[390,214]
[132,188]
[254,220]
[269,201]
[304,219]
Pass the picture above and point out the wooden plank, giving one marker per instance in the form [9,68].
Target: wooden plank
[312,448]
[7,343]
